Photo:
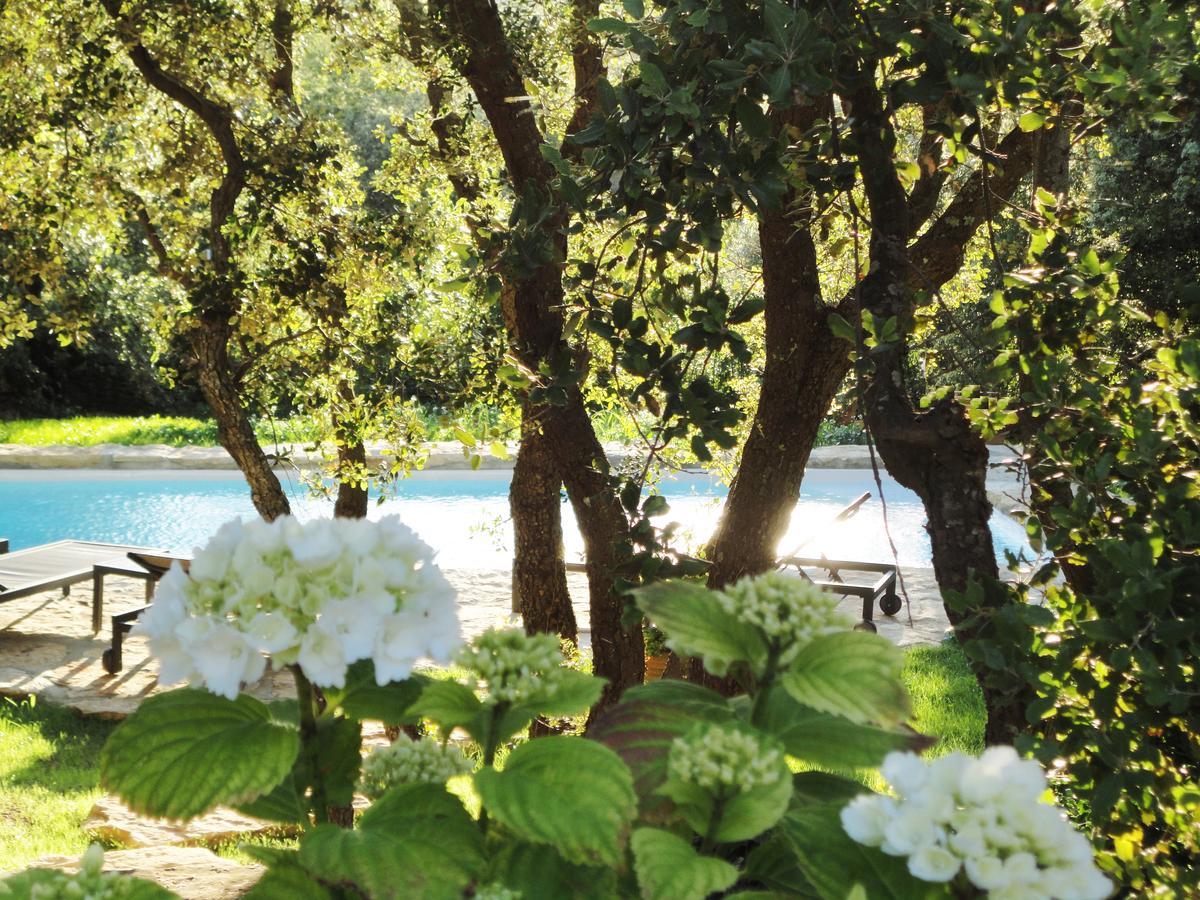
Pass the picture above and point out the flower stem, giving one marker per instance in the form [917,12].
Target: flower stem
[307,698]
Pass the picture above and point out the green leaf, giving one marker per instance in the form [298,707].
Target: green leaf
[416,812]
[362,698]
[828,740]
[286,802]
[1031,121]
[538,871]
[834,863]
[186,751]
[851,673]
[608,25]
[287,879]
[635,8]
[643,725]
[571,793]
[570,692]
[653,78]
[696,625]
[752,118]
[840,328]
[339,750]
[449,704]
[423,864]
[669,868]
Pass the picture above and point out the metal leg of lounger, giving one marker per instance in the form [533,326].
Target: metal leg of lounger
[3,545]
[121,625]
[97,601]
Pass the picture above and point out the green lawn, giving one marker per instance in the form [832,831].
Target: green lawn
[49,772]
[180,431]
[49,779]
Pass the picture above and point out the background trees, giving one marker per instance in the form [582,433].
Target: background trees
[713,217]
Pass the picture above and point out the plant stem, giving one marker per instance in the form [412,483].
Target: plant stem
[714,822]
[308,742]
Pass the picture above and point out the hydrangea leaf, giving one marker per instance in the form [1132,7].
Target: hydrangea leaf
[447,703]
[828,740]
[427,863]
[571,793]
[538,871]
[186,751]
[669,868]
[286,802]
[696,625]
[287,878]
[569,693]
[643,725]
[834,863]
[852,674]
[742,816]
[362,698]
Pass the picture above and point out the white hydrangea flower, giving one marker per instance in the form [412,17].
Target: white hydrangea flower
[789,610]
[725,760]
[322,594]
[981,821]
[411,762]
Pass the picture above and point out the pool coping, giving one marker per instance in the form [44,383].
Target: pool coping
[1004,488]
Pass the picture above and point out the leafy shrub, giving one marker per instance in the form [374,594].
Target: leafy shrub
[1105,652]
[677,792]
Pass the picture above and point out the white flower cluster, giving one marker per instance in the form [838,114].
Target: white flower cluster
[496,891]
[724,760]
[89,883]
[323,594]
[411,762]
[789,610]
[517,667]
[979,819]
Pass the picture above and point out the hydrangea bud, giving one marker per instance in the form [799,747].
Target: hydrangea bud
[788,610]
[725,760]
[411,762]
[89,883]
[517,667]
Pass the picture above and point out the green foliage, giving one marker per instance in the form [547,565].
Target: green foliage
[850,674]
[1107,631]
[183,752]
[593,799]
[669,868]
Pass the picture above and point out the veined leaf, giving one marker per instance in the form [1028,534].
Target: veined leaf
[571,793]
[851,673]
[669,868]
[186,751]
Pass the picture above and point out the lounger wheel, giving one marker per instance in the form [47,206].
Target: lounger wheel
[864,625]
[889,604]
[110,666]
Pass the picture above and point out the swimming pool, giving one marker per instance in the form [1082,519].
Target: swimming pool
[462,515]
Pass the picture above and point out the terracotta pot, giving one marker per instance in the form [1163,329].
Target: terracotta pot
[655,666]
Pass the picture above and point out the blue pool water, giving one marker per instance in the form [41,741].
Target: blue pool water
[462,515]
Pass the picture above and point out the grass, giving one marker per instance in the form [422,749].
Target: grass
[947,702]
[483,422]
[50,777]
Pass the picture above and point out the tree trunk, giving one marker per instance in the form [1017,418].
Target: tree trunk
[539,574]
[805,364]
[536,332]
[234,431]
[351,502]
[935,453]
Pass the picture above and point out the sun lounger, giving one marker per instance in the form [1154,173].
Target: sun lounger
[60,565]
[153,565]
[879,589]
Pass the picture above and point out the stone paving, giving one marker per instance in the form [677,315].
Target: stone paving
[191,872]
